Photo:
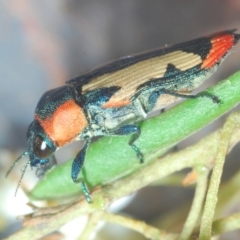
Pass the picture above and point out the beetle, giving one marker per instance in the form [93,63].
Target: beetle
[109,100]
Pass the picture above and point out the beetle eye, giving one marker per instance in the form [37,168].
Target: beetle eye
[40,148]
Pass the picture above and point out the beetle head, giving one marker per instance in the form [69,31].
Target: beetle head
[40,147]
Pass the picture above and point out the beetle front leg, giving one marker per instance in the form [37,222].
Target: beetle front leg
[130,129]
[76,168]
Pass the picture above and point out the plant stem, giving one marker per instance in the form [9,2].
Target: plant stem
[202,181]
[211,199]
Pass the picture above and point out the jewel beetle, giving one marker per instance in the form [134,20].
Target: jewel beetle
[109,100]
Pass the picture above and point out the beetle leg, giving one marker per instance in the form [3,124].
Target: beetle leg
[130,129]
[152,99]
[214,98]
[76,168]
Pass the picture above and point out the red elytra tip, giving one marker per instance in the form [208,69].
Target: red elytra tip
[220,46]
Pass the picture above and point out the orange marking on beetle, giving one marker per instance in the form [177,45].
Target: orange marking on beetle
[220,46]
[65,123]
[114,104]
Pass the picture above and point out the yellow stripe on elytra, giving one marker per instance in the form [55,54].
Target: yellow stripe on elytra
[129,78]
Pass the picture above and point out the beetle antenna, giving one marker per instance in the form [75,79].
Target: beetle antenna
[19,182]
[16,161]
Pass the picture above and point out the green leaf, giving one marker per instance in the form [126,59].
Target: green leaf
[110,157]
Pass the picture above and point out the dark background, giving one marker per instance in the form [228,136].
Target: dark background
[43,44]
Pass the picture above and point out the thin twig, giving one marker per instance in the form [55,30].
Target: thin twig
[146,230]
[93,220]
[197,204]
[211,199]
[227,224]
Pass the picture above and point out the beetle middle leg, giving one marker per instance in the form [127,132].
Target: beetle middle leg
[130,129]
